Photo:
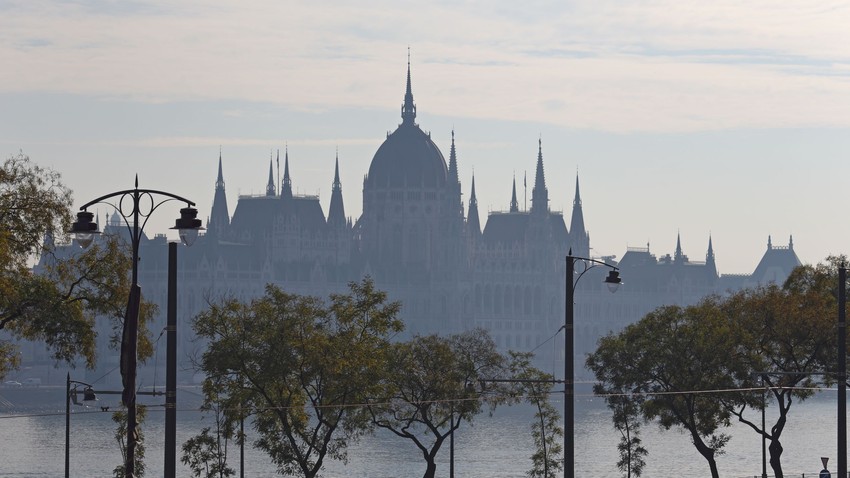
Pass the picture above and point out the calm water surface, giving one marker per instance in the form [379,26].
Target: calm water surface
[498,446]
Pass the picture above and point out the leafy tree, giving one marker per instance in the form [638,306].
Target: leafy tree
[428,385]
[206,453]
[298,364]
[58,301]
[668,356]
[789,339]
[120,419]
[535,386]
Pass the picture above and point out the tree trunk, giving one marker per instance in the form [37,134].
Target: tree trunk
[776,457]
[430,470]
[707,453]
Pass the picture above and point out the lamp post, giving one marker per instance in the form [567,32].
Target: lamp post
[613,281]
[842,371]
[134,205]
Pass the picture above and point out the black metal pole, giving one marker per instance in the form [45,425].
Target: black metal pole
[569,359]
[452,444]
[242,445]
[67,424]
[763,434]
[842,372]
[171,367]
[131,332]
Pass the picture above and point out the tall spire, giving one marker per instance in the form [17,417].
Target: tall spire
[408,109]
[514,203]
[539,195]
[219,182]
[578,234]
[286,190]
[336,211]
[678,257]
[472,220]
[270,187]
[709,257]
[453,175]
[219,218]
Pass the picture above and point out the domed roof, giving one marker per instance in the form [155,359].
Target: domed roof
[408,157]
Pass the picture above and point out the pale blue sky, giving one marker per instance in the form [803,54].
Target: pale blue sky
[726,118]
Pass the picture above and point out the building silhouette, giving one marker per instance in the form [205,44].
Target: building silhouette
[430,251]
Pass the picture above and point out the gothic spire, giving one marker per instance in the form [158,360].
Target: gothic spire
[539,195]
[453,175]
[336,211]
[286,190]
[408,109]
[219,182]
[678,257]
[578,233]
[270,187]
[709,257]
[472,220]
[514,203]
[219,218]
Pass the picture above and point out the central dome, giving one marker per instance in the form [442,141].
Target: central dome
[408,157]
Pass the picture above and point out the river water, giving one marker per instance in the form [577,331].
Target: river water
[32,445]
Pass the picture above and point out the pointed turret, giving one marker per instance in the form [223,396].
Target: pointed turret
[270,187]
[791,242]
[336,211]
[678,256]
[219,217]
[454,182]
[408,109]
[472,220]
[709,257]
[514,203]
[539,195]
[578,234]
[286,190]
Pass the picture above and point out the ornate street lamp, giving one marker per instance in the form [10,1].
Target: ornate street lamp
[135,206]
[613,281]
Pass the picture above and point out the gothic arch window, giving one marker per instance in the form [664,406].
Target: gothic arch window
[497,300]
[508,300]
[488,298]
[528,300]
[478,299]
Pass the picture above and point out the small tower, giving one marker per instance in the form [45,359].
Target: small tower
[539,195]
[336,211]
[678,257]
[286,189]
[219,217]
[472,221]
[270,187]
[514,203]
[709,258]
[579,238]
[408,109]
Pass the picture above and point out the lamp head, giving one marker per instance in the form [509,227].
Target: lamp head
[89,395]
[188,225]
[84,228]
[613,280]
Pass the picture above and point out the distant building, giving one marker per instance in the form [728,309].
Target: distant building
[428,250]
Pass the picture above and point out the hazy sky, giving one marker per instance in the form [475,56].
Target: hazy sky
[726,118]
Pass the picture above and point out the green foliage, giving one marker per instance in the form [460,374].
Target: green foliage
[697,367]
[296,364]
[667,356]
[206,456]
[120,419]
[429,383]
[535,386]
[58,302]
